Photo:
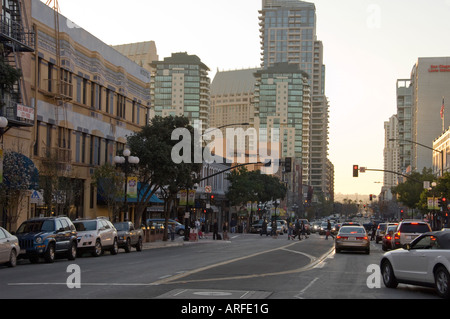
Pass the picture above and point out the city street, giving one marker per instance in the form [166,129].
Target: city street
[246,267]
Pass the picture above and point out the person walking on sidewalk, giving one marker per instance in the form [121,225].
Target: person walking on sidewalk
[225,231]
[215,230]
[290,230]
[303,229]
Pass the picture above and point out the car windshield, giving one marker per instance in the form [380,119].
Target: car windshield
[36,226]
[121,226]
[86,225]
[414,228]
[352,230]
[391,228]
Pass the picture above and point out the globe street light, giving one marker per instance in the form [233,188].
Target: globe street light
[126,163]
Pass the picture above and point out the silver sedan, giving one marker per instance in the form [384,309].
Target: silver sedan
[352,238]
[9,248]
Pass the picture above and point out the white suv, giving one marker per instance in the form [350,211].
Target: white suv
[407,231]
[95,236]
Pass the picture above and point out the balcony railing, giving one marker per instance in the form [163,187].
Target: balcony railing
[57,89]
[13,34]
[57,154]
[17,113]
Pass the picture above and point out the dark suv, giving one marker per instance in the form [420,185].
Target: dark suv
[46,237]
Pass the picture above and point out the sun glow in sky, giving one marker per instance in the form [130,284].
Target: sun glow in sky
[368,45]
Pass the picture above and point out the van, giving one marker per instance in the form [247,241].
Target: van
[407,231]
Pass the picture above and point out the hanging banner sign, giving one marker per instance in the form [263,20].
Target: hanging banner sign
[183,197]
[132,187]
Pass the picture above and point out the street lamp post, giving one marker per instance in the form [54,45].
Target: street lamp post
[126,163]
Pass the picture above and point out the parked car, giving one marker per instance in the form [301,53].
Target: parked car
[128,236]
[47,237]
[256,227]
[425,262]
[9,248]
[408,230]
[159,223]
[352,238]
[386,241]
[96,236]
[279,230]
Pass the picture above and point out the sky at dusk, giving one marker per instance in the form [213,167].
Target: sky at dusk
[368,45]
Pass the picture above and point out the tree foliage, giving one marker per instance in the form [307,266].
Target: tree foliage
[253,186]
[156,169]
[409,192]
[19,176]
[109,186]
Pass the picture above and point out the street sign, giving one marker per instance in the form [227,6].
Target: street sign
[208,189]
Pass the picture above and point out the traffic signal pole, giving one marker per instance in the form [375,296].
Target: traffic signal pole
[388,171]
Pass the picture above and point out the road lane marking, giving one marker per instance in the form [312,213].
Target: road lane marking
[178,279]
[299,295]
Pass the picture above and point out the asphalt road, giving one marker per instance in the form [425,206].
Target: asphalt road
[246,267]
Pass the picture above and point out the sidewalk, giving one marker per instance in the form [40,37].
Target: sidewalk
[179,241]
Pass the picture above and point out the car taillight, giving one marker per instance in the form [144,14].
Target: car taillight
[388,237]
[397,235]
[365,238]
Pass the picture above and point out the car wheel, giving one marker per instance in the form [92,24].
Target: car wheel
[49,255]
[128,245]
[388,275]
[139,245]
[72,252]
[115,249]
[12,259]
[181,232]
[442,280]
[98,249]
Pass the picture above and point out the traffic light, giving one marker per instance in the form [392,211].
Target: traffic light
[211,199]
[442,202]
[355,170]
[370,197]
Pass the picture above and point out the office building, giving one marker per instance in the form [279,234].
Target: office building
[88,98]
[142,53]
[405,121]
[288,34]
[430,81]
[181,86]
[391,151]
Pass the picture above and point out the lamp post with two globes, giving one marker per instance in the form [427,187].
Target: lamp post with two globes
[126,163]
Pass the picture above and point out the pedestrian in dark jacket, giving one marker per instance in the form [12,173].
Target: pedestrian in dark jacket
[215,229]
[297,230]
[329,231]
[264,228]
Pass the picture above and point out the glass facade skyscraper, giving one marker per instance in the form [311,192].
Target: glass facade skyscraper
[180,86]
[288,35]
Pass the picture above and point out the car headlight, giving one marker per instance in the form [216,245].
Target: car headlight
[38,240]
